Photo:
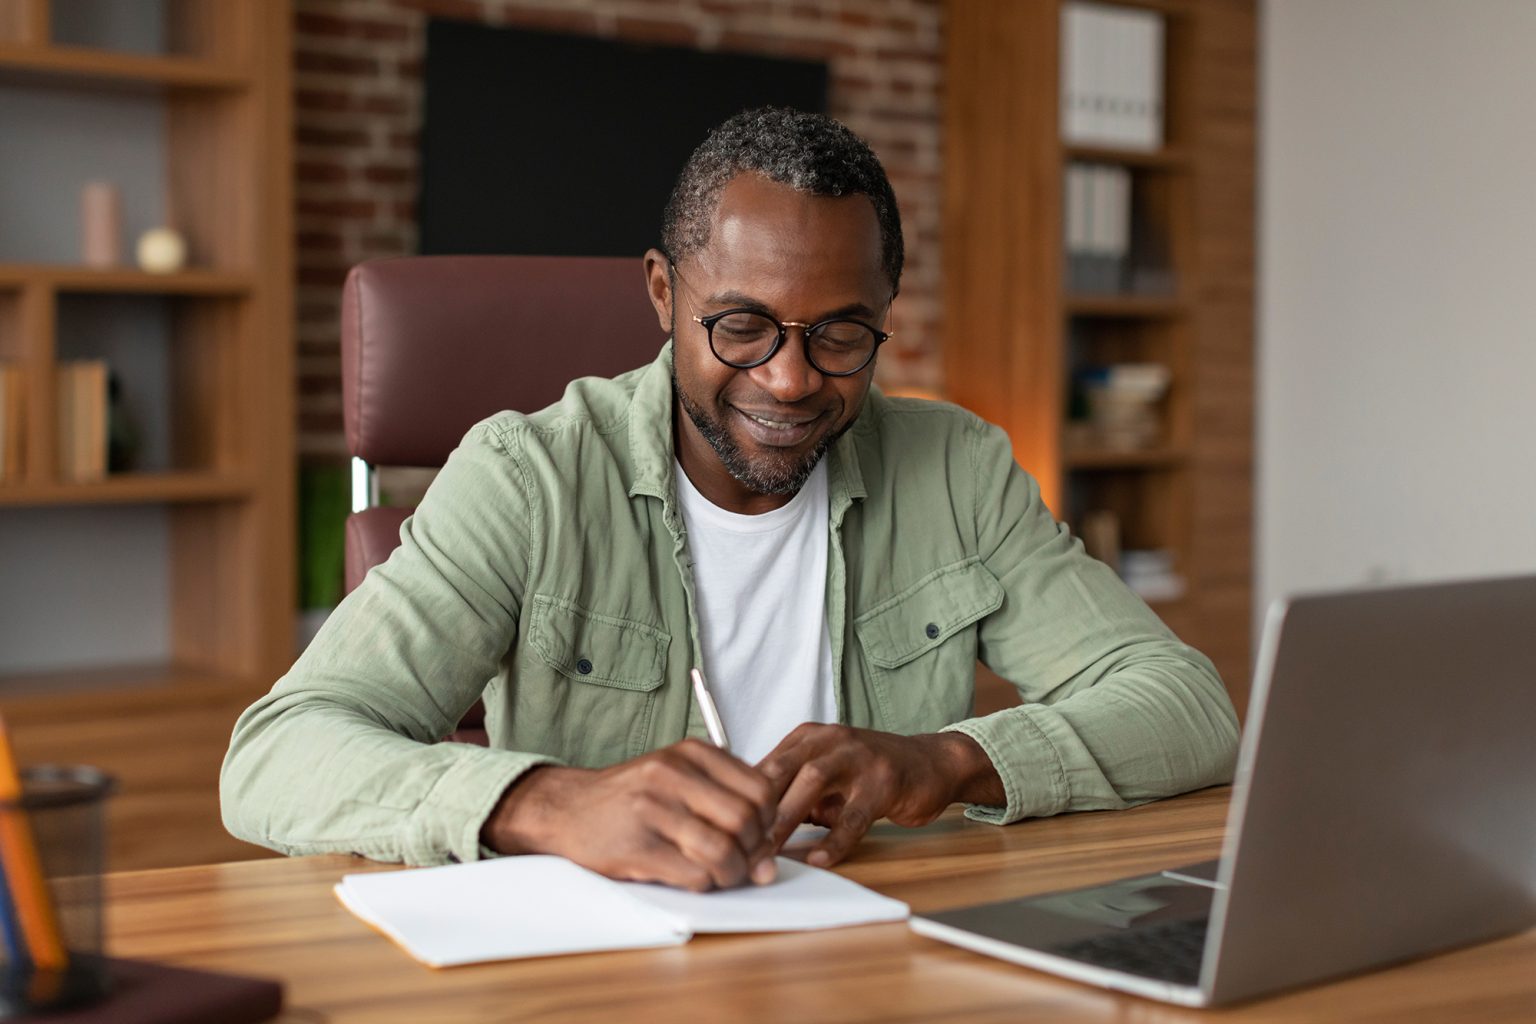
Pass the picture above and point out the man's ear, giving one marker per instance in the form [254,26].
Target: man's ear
[658,284]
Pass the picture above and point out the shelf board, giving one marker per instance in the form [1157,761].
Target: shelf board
[76,65]
[1126,306]
[29,694]
[1174,7]
[1168,158]
[130,488]
[1113,458]
[63,277]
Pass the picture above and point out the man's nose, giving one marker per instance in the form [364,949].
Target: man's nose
[789,375]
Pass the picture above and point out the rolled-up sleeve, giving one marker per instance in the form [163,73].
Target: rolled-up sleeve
[342,755]
[1116,710]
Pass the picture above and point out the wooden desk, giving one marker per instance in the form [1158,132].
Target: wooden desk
[279,918]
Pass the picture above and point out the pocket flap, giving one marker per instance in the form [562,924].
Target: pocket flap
[593,648]
[927,613]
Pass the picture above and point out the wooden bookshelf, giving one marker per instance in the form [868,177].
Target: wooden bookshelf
[77,66]
[1014,335]
[223,334]
[124,280]
[132,488]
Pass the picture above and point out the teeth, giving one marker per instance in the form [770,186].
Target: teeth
[775,424]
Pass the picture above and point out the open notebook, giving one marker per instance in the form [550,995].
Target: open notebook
[539,905]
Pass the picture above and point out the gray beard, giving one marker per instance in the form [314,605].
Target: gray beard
[777,477]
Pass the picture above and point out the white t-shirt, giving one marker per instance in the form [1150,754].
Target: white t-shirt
[761,587]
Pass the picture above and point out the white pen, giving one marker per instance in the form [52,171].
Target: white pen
[712,720]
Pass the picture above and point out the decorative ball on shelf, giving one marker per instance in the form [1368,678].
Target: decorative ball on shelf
[161,251]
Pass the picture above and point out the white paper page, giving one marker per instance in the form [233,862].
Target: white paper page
[805,834]
[503,909]
[802,899]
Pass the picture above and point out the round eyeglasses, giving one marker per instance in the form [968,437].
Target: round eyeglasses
[837,347]
[743,337]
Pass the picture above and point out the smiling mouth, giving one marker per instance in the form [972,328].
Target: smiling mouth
[775,424]
[775,431]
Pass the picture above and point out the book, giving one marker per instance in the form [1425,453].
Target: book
[539,905]
[1111,76]
[80,408]
[11,423]
[1098,233]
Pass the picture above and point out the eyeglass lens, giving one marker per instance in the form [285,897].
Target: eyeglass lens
[837,346]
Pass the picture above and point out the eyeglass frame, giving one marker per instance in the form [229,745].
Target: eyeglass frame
[708,323]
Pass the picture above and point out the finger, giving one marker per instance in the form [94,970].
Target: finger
[682,774]
[815,781]
[735,775]
[784,761]
[659,860]
[702,844]
[851,825]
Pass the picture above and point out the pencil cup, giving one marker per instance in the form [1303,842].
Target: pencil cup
[53,845]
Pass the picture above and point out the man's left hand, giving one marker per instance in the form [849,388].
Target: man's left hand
[847,779]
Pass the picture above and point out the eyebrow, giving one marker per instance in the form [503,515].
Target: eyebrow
[733,298]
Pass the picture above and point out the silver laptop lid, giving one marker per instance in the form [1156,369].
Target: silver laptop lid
[1385,801]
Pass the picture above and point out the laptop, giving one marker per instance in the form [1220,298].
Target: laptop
[1382,810]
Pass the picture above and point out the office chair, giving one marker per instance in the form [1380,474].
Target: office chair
[431,345]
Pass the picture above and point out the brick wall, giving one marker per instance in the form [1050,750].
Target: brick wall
[357,82]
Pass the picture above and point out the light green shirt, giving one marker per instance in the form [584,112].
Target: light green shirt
[548,568]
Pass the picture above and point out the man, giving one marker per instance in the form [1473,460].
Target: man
[836,562]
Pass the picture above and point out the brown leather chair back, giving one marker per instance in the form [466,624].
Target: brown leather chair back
[431,345]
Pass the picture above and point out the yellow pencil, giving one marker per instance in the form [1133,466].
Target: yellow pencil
[23,869]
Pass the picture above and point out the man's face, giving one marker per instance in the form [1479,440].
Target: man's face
[749,438]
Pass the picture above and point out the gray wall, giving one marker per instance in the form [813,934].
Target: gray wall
[87,586]
[1398,292]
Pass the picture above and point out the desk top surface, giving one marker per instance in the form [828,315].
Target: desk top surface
[278,918]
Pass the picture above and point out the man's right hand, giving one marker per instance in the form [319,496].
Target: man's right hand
[689,815]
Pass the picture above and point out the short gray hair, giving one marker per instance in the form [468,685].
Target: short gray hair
[808,152]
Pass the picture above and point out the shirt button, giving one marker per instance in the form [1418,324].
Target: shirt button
[932,629]
[584,667]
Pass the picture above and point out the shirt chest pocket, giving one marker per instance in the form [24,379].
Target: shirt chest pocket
[920,646]
[594,692]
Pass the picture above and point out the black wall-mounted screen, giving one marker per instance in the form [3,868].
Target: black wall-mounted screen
[558,145]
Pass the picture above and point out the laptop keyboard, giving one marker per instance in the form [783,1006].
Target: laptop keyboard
[1169,951]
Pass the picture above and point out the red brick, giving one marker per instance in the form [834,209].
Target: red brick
[737,8]
[332,101]
[933,56]
[572,22]
[319,173]
[781,46]
[464,10]
[348,27]
[389,174]
[318,240]
[318,312]
[320,349]
[329,276]
[408,141]
[317,424]
[326,385]
[312,135]
[343,209]
[902,115]
[385,241]
[653,30]
[334,63]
